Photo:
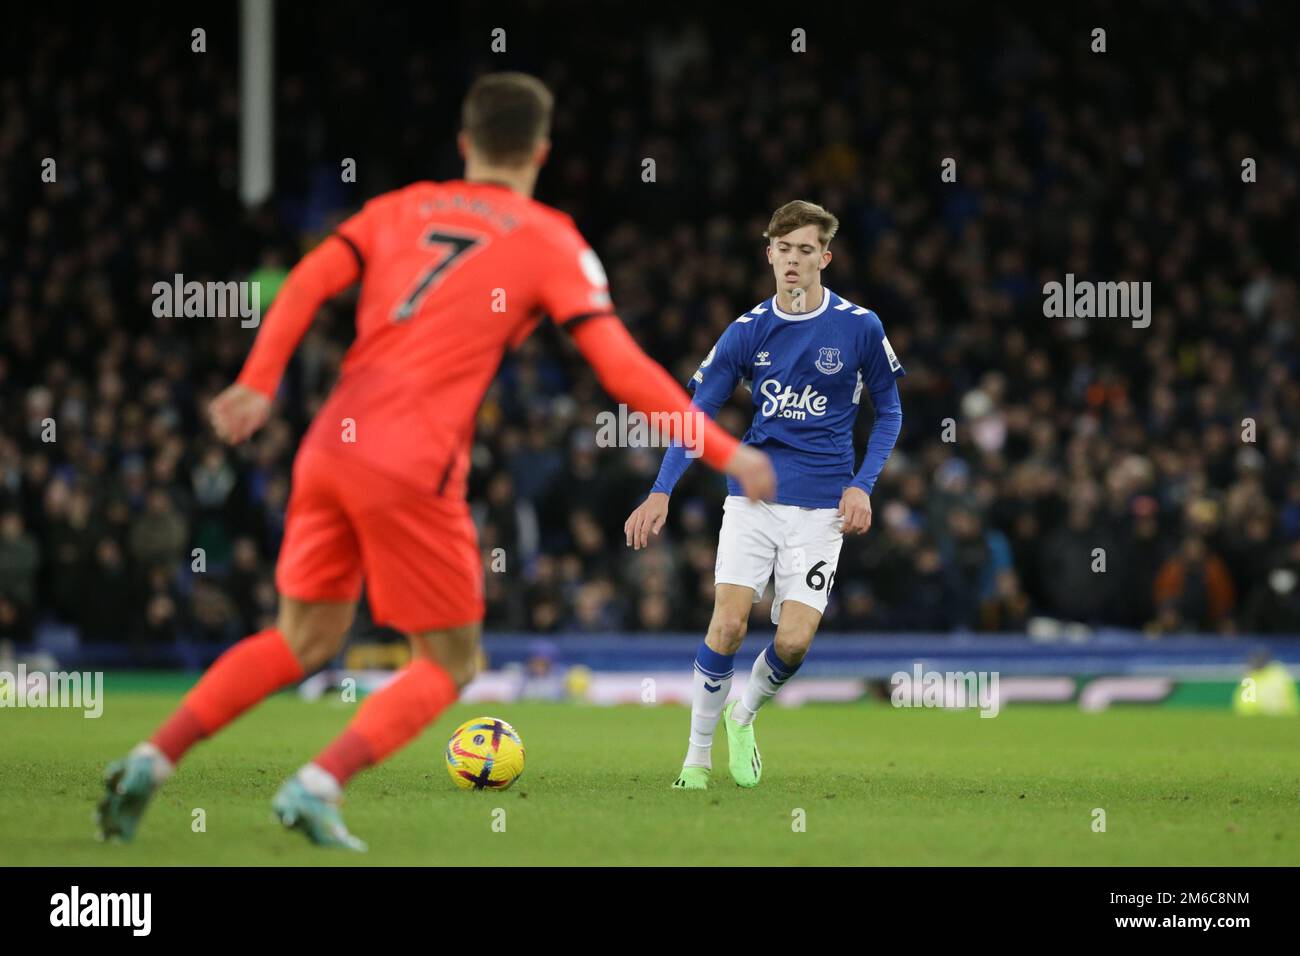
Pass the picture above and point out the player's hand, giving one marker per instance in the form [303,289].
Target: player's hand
[646,520]
[855,507]
[753,469]
[238,412]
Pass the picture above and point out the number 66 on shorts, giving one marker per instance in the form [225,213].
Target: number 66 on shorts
[799,547]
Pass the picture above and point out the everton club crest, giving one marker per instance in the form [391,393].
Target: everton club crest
[828,361]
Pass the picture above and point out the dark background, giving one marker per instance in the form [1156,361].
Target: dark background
[1071,435]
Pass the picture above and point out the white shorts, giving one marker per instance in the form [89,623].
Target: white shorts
[801,545]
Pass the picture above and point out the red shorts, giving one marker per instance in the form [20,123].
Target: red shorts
[418,552]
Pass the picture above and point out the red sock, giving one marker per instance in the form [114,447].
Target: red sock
[390,718]
[248,672]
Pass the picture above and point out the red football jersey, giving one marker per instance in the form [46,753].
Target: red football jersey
[453,275]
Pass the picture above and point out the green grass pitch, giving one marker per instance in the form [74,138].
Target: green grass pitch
[876,786]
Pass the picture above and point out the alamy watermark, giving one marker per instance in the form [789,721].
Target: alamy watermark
[133,911]
[1098,300]
[64,689]
[922,688]
[208,300]
[632,429]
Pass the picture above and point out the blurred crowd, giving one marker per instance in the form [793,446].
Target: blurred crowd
[1081,470]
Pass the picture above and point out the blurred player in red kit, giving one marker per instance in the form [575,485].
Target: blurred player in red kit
[453,275]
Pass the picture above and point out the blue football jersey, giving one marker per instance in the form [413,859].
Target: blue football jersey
[807,374]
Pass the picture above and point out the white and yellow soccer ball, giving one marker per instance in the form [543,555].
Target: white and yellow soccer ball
[485,753]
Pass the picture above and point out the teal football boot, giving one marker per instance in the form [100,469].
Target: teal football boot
[317,819]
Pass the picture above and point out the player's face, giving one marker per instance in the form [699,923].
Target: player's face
[797,259]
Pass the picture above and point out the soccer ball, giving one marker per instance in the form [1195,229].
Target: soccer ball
[485,754]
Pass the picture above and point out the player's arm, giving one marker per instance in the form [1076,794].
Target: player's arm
[573,290]
[324,272]
[881,371]
[631,376]
[712,383]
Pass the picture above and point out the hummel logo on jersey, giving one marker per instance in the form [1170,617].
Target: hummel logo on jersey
[787,403]
[828,361]
[762,359]
[712,688]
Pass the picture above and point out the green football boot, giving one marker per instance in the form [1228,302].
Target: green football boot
[692,778]
[317,819]
[128,785]
[742,750]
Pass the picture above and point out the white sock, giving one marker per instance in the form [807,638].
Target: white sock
[162,767]
[319,782]
[711,684]
[767,678]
